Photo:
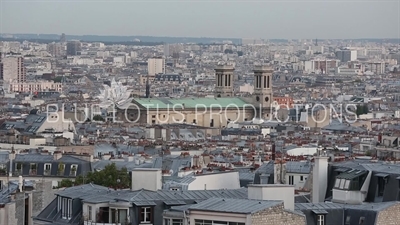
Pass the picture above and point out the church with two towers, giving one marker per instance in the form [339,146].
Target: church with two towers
[215,112]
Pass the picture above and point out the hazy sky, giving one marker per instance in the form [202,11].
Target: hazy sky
[199,18]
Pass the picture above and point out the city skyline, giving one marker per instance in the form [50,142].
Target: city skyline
[254,19]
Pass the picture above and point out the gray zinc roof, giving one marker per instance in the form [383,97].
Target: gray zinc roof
[242,206]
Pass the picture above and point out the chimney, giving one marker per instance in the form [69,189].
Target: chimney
[106,157]
[152,176]
[57,155]
[130,158]
[20,183]
[270,192]
[137,162]
[273,151]
[320,179]
[279,171]
[11,155]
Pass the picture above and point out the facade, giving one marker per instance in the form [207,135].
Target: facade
[35,86]
[13,69]
[155,66]
[55,49]
[320,66]
[74,48]
[346,55]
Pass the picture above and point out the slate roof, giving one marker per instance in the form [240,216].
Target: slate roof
[241,206]
[367,165]
[298,167]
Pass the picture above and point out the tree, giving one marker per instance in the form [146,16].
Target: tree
[110,176]
[98,118]
[362,109]
[365,109]
[58,79]
[228,51]
[66,183]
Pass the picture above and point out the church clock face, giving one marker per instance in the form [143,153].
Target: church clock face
[257,98]
[266,99]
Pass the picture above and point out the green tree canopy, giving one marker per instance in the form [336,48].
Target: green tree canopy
[362,109]
[98,118]
[110,176]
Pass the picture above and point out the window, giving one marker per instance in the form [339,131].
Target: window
[74,168]
[347,220]
[346,184]
[59,201]
[203,222]
[210,222]
[337,183]
[301,178]
[381,186]
[47,169]
[32,169]
[320,219]
[291,180]
[177,222]
[89,213]
[146,215]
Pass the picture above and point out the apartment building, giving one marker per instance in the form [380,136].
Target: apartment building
[35,86]
[13,69]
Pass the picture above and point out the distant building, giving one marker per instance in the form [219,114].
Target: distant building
[13,69]
[155,66]
[35,86]
[74,48]
[55,49]
[320,66]
[346,55]
[62,38]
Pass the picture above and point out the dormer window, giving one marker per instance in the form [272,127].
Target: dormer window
[61,168]
[18,167]
[47,169]
[3,169]
[74,168]
[320,219]
[320,216]
[32,169]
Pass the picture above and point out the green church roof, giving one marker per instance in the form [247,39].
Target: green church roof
[163,103]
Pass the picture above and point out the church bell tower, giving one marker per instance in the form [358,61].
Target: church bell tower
[262,95]
[224,81]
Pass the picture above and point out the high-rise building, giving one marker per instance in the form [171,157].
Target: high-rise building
[13,69]
[262,95]
[224,81]
[346,55]
[55,49]
[62,38]
[155,66]
[166,50]
[74,48]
